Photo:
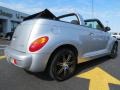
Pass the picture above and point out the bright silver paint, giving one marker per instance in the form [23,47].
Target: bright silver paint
[90,43]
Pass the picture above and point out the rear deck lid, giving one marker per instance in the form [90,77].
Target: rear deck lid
[21,36]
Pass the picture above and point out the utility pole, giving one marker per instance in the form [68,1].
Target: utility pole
[92,14]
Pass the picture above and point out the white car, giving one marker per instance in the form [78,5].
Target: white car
[116,35]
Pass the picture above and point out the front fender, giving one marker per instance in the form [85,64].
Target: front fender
[111,42]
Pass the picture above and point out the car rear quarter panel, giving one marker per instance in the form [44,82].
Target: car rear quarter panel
[59,34]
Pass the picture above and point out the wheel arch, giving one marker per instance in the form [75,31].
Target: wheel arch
[72,47]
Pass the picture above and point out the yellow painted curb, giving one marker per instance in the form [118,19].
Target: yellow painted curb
[2,57]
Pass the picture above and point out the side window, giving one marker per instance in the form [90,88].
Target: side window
[89,24]
[93,24]
[97,25]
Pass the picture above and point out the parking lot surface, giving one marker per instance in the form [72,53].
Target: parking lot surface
[99,74]
[4,42]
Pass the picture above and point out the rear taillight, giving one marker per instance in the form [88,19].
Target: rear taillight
[14,61]
[38,44]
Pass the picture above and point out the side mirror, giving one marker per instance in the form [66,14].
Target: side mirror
[107,29]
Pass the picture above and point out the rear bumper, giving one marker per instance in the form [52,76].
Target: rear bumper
[34,62]
[23,60]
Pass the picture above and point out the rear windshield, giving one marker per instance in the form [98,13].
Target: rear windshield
[114,33]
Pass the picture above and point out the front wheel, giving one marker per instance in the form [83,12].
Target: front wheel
[63,64]
[114,51]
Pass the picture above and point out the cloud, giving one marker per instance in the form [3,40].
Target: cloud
[58,10]
[21,7]
[31,7]
[18,7]
[30,10]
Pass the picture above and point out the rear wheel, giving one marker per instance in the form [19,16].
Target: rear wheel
[63,64]
[114,51]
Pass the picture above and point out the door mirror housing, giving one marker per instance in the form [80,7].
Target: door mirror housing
[107,29]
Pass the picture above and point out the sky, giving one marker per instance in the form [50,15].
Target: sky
[108,11]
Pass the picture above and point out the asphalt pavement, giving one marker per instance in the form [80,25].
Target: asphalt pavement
[99,74]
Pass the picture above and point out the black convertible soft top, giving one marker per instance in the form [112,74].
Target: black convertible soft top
[44,14]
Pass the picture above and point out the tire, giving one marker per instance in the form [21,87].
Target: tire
[63,64]
[114,51]
[9,37]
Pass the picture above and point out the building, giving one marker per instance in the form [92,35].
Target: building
[9,19]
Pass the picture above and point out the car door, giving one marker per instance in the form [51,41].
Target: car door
[102,37]
[99,38]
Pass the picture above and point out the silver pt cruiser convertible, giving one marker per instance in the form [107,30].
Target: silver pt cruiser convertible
[57,44]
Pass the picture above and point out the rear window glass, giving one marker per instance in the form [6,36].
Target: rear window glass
[114,33]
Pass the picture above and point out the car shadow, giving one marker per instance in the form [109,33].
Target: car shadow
[80,68]
[41,75]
